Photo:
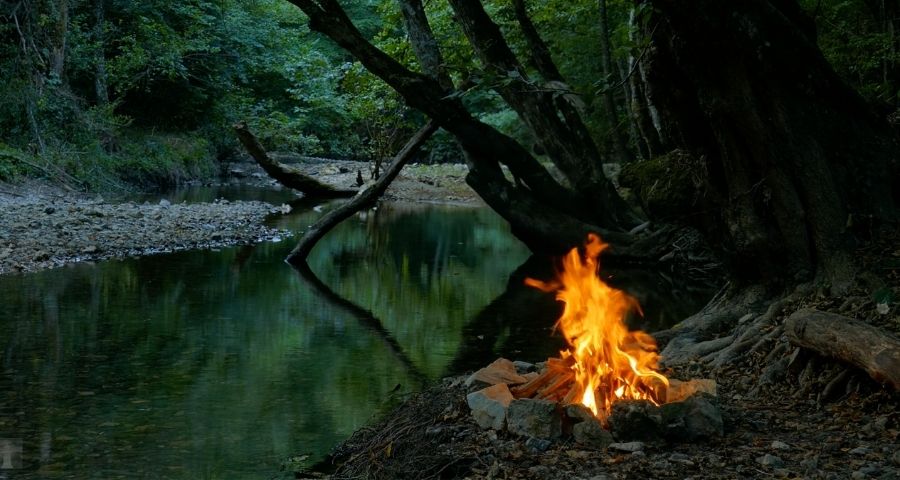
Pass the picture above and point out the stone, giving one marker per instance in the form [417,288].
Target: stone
[679,390]
[91,249]
[590,433]
[895,458]
[779,445]
[859,451]
[635,420]
[696,418]
[523,367]
[681,458]
[489,406]
[629,447]
[164,203]
[537,444]
[534,418]
[769,460]
[500,371]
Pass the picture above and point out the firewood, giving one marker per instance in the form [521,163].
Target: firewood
[561,380]
[528,389]
[848,340]
[572,395]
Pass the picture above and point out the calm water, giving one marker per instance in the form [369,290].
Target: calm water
[225,364]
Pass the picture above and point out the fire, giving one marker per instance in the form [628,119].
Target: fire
[611,363]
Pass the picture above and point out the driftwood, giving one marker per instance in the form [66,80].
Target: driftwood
[325,224]
[848,340]
[286,175]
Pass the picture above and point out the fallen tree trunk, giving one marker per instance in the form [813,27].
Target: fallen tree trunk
[325,224]
[286,175]
[848,340]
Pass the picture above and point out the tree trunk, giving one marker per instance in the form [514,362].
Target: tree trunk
[551,215]
[640,110]
[790,151]
[620,149]
[288,176]
[364,197]
[101,89]
[60,36]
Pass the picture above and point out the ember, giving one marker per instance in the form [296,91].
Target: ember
[605,362]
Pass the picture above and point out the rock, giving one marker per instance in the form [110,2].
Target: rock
[696,418]
[164,203]
[523,367]
[859,451]
[591,434]
[49,210]
[534,418]
[681,458]
[858,475]
[635,420]
[627,446]
[779,445]
[537,444]
[895,458]
[91,249]
[679,390]
[40,255]
[489,406]
[769,460]
[500,371]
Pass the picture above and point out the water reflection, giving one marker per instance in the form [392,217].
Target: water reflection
[223,364]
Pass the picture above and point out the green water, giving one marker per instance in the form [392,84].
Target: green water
[226,364]
[222,364]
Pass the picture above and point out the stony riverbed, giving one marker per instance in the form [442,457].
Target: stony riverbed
[45,228]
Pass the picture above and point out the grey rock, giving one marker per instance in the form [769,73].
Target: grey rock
[635,420]
[681,458]
[779,445]
[860,451]
[627,446]
[538,444]
[895,458]
[696,418]
[523,367]
[534,418]
[49,210]
[590,433]
[164,203]
[769,460]
[489,406]
[858,475]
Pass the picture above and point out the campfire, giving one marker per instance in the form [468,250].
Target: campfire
[605,362]
[606,379]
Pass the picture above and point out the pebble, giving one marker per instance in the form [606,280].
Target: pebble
[860,451]
[769,460]
[681,458]
[41,232]
[627,446]
[538,444]
[896,458]
[779,445]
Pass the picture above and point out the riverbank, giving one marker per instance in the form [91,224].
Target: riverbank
[45,226]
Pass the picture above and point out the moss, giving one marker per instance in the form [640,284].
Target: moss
[669,186]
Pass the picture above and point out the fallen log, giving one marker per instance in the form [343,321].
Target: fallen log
[286,175]
[852,341]
[326,223]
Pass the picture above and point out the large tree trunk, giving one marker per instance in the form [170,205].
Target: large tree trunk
[544,214]
[609,99]
[101,89]
[790,151]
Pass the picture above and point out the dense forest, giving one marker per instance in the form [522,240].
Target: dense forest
[103,93]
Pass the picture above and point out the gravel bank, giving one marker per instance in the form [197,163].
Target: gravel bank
[40,230]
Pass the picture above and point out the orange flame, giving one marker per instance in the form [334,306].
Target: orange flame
[611,363]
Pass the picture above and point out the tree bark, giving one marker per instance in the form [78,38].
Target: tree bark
[288,176]
[790,150]
[848,340]
[485,146]
[364,197]
[421,38]
[101,89]
[609,100]
[60,37]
